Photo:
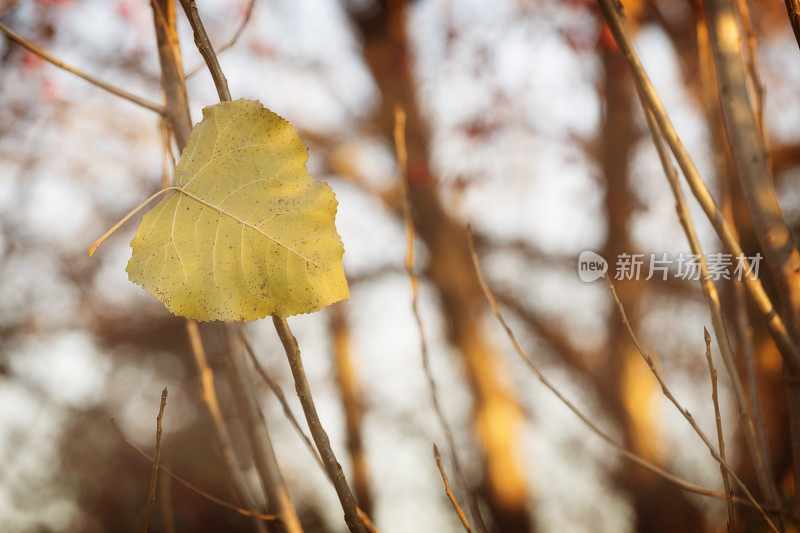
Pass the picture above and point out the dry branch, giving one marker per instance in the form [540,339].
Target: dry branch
[615,20]
[255,428]
[449,491]
[681,483]
[321,439]
[757,452]
[151,495]
[238,33]
[278,392]
[122,93]
[206,50]
[682,410]
[726,482]
[276,389]
[189,485]
[223,436]
[402,163]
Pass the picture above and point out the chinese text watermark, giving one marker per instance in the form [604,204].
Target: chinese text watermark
[592,266]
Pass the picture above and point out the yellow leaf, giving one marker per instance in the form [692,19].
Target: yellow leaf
[247,232]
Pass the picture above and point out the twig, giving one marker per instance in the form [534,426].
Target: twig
[711,296]
[211,402]
[772,230]
[191,486]
[91,79]
[682,410]
[751,62]
[726,482]
[278,392]
[448,491]
[206,50]
[173,83]
[615,20]
[151,496]
[321,439]
[256,428]
[681,483]
[402,163]
[165,497]
[247,16]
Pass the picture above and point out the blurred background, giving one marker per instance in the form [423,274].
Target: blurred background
[522,121]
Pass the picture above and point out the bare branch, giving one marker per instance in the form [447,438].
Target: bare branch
[757,453]
[116,91]
[247,16]
[449,492]
[321,439]
[255,428]
[205,48]
[402,161]
[173,82]
[615,20]
[189,485]
[682,410]
[151,496]
[278,392]
[211,402]
[726,482]
[276,389]
[681,483]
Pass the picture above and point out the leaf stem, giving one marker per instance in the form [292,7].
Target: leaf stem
[127,217]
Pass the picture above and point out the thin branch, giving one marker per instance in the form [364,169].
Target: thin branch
[681,483]
[151,496]
[247,16]
[726,482]
[615,20]
[167,508]
[751,63]
[682,410]
[287,411]
[191,486]
[750,157]
[116,91]
[206,50]
[321,439]
[173,83]
[757,453]
[278,392]
[255,428]
[211,402]
[402,163]
[448,491]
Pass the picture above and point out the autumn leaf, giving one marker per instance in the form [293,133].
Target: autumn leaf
[246,232]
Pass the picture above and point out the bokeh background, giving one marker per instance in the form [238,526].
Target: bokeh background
[522,121]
